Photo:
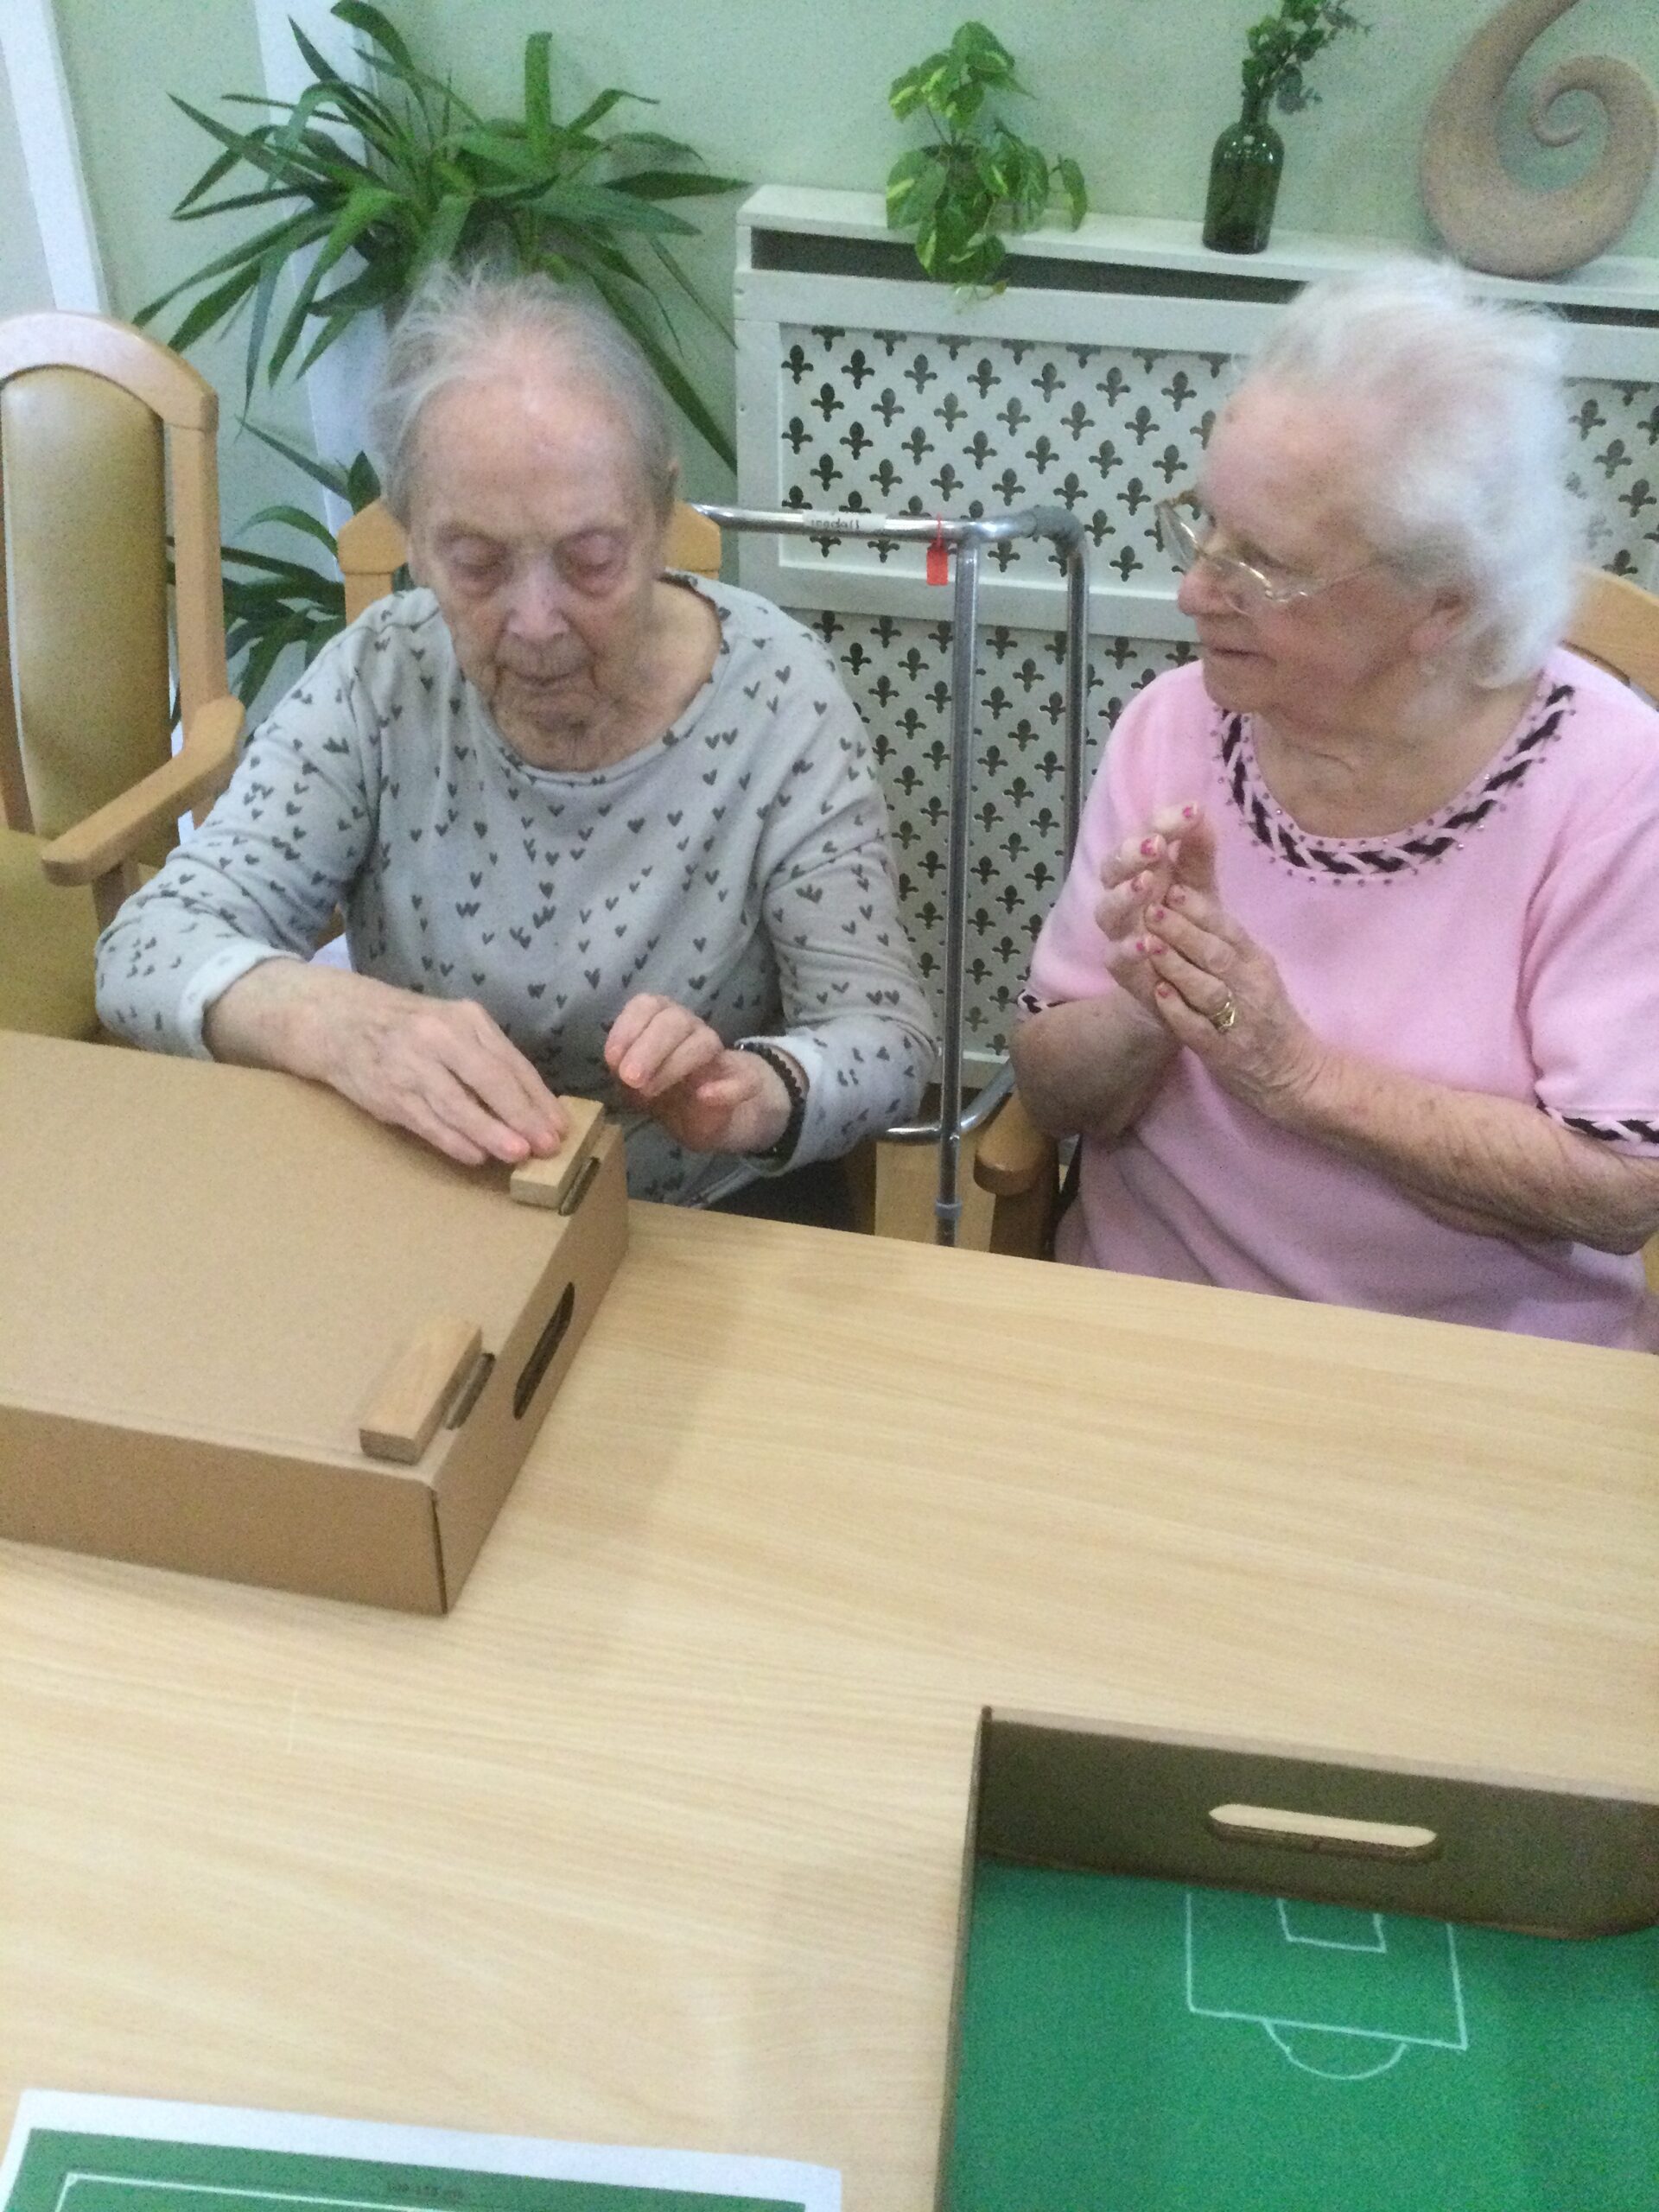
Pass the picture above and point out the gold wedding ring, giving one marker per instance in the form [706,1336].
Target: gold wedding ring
[1225,1015]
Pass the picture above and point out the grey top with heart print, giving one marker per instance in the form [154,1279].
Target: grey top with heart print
[739,865]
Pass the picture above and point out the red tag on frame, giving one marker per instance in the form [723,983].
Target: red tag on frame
[938,559]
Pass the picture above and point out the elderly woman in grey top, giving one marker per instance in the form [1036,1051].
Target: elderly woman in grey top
[594,828]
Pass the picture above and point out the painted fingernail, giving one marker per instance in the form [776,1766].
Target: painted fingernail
[1176,895]
[1189,814]
[1140,944]
[1149,847]
[1154,913]
[1165,991]
[1155,948]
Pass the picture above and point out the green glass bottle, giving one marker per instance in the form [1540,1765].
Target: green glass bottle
[1244,172]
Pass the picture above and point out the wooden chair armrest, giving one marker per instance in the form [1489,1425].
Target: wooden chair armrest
[1013,1153]
[200,770]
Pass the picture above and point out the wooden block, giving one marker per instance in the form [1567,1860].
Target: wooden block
[405,1410]
[544,1182]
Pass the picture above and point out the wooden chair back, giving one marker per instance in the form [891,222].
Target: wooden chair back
[1616,624]
[105,437]
[373,547]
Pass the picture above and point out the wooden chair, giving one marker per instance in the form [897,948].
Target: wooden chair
[98,426]
[372,548]
[1616,625]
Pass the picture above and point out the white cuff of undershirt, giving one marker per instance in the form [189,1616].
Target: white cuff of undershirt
[210,982]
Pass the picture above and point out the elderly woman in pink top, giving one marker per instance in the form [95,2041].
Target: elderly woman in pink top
[1352,991]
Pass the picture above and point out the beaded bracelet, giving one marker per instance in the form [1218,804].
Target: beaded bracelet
[783,1067]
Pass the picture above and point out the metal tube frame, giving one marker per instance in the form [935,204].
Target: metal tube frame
[966,539]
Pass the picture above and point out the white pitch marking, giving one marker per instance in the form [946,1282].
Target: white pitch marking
[1460,2045]
[1327,1942]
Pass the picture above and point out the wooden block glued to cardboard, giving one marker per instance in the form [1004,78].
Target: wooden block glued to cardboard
[548,1182]
[404,1413]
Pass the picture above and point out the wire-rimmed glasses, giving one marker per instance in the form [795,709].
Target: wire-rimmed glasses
[1183,531]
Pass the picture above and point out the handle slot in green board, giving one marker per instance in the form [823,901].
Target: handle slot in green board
[1324,1832]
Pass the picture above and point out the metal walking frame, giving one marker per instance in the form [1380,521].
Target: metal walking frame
[965,541]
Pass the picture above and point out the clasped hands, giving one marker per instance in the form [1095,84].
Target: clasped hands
[1191,969]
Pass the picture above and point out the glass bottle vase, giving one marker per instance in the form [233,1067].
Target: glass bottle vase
[1244,171]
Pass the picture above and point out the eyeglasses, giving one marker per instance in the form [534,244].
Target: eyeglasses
[1183,531]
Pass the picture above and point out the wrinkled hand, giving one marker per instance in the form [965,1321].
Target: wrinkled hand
[1203,965]
[1178,847]
[439,1067]
[677,1070]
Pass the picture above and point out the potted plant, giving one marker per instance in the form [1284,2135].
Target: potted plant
[378,181]
[978,178]
[419,176]
[1249,155]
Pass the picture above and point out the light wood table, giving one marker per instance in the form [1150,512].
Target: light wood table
[658,1838]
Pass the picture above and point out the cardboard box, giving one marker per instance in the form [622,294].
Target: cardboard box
[1195,1974]
[217,1285]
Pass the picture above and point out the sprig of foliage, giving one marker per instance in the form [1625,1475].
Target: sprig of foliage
[403,173]
[1279,47]
[979,178]
[271,604]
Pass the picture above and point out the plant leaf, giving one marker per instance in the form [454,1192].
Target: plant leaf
[361,15]
[597,204]
[295,518]
[1076,191]
[214,173]
[598,109]
[325,472]
[207,311]
[442,235]
[673,378]
[675,184]
[914,184]
[538,93]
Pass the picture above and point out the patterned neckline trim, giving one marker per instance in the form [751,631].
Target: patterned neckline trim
[1374,859]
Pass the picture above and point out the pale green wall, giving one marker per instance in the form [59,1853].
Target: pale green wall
[23,267]
[793,91]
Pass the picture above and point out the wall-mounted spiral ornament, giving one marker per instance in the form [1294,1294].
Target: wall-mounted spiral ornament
[1488,220]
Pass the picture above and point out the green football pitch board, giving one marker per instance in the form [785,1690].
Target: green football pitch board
[1135,2046]
[105,2173]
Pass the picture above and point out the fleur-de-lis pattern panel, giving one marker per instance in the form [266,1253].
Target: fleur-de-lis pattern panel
[897,670]
[1617,472]
[899,423]
[903,424]
[893,424]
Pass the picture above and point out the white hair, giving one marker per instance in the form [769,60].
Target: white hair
[1464,476]
[460,319]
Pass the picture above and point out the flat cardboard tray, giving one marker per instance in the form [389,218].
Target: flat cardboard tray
[1204,1975]
[247,1331]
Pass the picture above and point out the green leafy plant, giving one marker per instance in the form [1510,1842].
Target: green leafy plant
[403,174]
[270,603]
[1279,47]
[978,178]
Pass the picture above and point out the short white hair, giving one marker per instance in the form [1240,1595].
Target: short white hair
[460,319]
[1464,482]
